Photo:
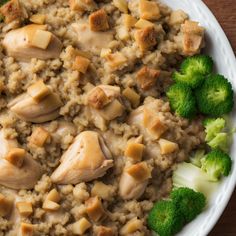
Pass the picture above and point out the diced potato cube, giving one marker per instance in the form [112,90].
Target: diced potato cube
[97,98]
[105,52]
[192,44]
[26,229]
[81,64]
[149,10]
[140,171]
[94,209]
[141,23]
[53,196]
[82,5]
[101,190]
[122,5]
[167,146]
[134,151]
[122,32]
[131,226]
[41,39]
[79,227]
[104,231]
[177,17]
[16,156]
[129,21]
[147,77]
[116,60]
[25,208]
[192,27]
[38,19]
[11,11]
[39,136]
[132,96]
[146,38]
[98,21]
[38,91]
[5,205]
[50,205]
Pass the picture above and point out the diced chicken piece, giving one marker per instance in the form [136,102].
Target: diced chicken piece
[122,5]
[104,231]
[192,27]
[53,196]
[6,204]
[149,10]
[36,106]
[92,41]
[116,61]
[122,33]
[10,175]
[94,209]
[146,38]
[81,64]
[80,226]
[39,137]
[98,21]
[16,156]
[101,190]
[129,21]
[97,98]
[26,229]
[141,24]
[177,17]
[86,159]
[131,226]
[25,208]
[82,5]
[22,43]
[147,77]
[49,205]
[132,96]
[38,19]
[167,146]
[134,151]
[139,171]
[11,11]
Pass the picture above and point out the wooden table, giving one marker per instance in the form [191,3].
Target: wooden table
[225,12]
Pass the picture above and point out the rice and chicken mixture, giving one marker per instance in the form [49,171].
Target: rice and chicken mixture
[88,139]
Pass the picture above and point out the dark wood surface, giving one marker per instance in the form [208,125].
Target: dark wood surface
[225,12]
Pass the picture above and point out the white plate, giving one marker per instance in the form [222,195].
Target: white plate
[217,45]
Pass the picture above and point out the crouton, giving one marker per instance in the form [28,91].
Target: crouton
[98,21]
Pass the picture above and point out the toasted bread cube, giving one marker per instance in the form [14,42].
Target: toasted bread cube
[41,39]
[101,190]
[146,38]
[141,23]
[116,60]
[38,91]
[134,151]
[105,52]
[104,231]
[132,96]
[149,10]
[11,11]
[97,98]
[139,171]
[38,19]
[16,156]
[5,205]
[122,32]
[98,21]
[131,226]
[53,196]
[39,136]
[167,146]
[25,208]
[192,44]
[177,17]
[82,5]
[81,64]
[26,229]
[147,77]
[129,21]
[94,209]
[50,205]
[122,5]
[80,226]
[112,110]
[192,27]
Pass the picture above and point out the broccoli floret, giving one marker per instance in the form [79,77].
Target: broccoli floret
[165,218]
[196,158]
[215,164]
[182,100]
[194,70]
[189,202]
[215,96]
[220,141]
[188,175]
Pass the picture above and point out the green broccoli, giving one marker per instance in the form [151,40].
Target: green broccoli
[220,141]
[165,218]
[215,96]
[215,164]
[196,158]
[182,100]
[194,70]
[189,202]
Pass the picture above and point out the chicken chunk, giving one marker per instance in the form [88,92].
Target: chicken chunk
[12,176]
[36,107]
[86,159]
[32,41]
